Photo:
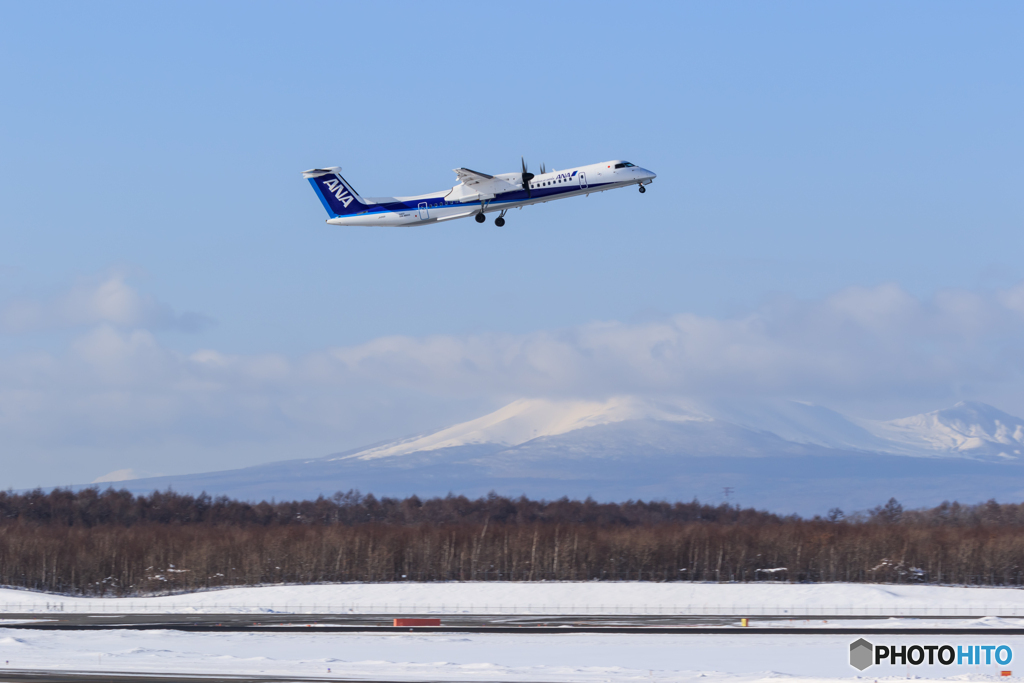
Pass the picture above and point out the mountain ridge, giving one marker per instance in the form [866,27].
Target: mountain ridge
[968,428]
[783,455]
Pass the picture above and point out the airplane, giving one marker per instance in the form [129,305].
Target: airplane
[475,195]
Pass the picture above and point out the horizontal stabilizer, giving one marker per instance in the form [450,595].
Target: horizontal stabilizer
[317,172]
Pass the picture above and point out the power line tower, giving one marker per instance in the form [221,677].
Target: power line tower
[727,491]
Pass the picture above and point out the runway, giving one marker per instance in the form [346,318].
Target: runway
[497,624]
[37,676]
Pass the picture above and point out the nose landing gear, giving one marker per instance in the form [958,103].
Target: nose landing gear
[642,189]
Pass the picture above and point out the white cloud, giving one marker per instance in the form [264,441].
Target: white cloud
[1013,298]
[115,389]
[860,341]
[90,301]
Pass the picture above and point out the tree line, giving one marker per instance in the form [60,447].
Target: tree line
[111,542]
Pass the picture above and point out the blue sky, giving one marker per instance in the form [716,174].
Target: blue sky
[808,155]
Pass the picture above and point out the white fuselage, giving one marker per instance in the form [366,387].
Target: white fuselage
[498,193]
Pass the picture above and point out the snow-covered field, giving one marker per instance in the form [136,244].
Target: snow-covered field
[735,657]
[458,657]
[558,598]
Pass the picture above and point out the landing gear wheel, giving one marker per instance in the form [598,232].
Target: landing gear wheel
[642,189]
[500,222]
[480,218]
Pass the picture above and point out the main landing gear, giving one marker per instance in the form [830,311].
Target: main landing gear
[500,220]
[480,218]
[642,189]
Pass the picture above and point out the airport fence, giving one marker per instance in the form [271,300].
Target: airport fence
[163,606]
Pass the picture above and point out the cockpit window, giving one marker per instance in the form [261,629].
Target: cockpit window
[625,164]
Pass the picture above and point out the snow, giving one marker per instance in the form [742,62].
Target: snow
[968,426]
[729,658]
[800,422]
[528,419]
[460,657]
[749,599]
[783,456]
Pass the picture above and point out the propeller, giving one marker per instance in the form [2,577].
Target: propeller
[543,168]
[527,177]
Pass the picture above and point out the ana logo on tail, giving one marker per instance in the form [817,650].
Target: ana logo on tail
[340,191]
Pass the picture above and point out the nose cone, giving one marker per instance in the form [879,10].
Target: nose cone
[648,175]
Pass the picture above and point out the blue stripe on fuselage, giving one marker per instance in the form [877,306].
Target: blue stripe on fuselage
[503,198]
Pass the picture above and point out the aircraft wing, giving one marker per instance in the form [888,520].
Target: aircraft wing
[471,177]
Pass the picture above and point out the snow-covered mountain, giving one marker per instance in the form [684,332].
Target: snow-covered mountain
[783,455]
[526,420]
[969,429]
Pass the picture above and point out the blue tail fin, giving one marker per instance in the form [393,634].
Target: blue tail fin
[334,192]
